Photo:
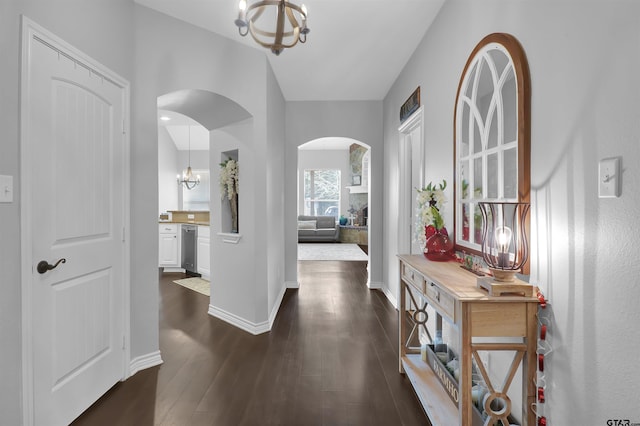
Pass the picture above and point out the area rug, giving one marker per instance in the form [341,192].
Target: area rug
[349,252]
[195,284]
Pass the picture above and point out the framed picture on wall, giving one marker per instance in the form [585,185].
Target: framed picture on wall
[356,180]
[410,105]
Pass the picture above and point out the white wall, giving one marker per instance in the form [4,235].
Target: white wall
[306,121]
[584,61]
[239,271]
[309,159]
[168,168]
[88,27]
[275,196]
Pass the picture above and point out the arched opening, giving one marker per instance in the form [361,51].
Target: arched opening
[190,122]
[333,182]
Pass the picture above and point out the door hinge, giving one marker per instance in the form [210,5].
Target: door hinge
[123,234]
[124,343]
[123,128]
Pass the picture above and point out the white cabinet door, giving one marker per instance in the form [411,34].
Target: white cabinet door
[169,250]
[204,252]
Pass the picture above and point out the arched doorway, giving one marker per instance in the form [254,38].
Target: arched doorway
[333,180]
[189,123]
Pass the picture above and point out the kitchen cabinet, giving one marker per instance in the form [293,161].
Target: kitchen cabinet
[204,252]
[169,250]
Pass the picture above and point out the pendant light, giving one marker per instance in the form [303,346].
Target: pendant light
[187,176]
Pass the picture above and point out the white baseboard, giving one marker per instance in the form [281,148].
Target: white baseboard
[144,361]
[374,285]
[241,323]
[390,297]
[292,284]
[248,326]
[276,306]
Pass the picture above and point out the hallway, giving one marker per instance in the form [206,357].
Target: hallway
[330,359]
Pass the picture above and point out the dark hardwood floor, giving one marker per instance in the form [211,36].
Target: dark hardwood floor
[330,359]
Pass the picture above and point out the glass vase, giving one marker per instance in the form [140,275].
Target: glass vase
[439,246]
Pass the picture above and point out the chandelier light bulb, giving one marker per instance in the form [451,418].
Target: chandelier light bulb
[242,5]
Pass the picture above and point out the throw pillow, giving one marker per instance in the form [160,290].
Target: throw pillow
[306,224]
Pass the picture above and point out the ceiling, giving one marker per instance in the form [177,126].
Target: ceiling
[355,50]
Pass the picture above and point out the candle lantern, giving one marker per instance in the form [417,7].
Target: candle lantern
[505,247]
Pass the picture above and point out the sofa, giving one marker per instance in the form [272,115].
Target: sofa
[312,229]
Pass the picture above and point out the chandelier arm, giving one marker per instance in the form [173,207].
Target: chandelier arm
[279,24]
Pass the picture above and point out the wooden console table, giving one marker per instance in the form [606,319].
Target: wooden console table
[453,295]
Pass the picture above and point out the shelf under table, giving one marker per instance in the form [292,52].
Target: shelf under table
[439,407]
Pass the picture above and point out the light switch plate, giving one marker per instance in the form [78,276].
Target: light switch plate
[6,189]
[609,178]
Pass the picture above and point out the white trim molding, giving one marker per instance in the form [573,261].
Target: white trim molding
[390,296]
[292,284]
[276,306]
[143,362]
[375,285]
[241,323]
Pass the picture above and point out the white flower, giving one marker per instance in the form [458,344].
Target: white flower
[427,198]
[229,183]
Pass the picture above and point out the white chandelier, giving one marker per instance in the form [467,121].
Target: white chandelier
[290,23]
[188,179]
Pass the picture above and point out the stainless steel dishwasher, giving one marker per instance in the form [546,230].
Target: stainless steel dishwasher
[189,247]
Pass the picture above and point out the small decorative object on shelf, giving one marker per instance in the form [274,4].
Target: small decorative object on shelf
[429,216]
[229,186]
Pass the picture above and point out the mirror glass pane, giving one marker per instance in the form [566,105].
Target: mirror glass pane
[466,209]
[509,101]
[477,229]
[477,178]
[492,175]
[499,59]
[511,173]
[495,118]
[464,177]
[477,137]
[464,132]
[485,91]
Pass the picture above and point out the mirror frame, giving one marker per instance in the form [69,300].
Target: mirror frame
[523,103]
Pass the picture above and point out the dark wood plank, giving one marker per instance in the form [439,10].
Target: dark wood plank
[330,359]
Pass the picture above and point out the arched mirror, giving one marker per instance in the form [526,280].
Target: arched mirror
[491,134]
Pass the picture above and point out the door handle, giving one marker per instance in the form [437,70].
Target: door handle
[44,266]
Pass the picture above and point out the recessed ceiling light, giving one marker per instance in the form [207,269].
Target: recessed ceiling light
[165,118]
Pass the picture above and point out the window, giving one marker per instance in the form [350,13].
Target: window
[321,192]
[197,198]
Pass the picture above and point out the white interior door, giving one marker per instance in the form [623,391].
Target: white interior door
[411,158]
[75,152]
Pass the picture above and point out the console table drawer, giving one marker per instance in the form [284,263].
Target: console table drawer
[413,277]
[441,299]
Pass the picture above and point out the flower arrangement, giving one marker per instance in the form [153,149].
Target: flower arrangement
[229,179]
[430,210]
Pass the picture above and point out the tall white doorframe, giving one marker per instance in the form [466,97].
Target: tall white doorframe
[408,160]
[33,33]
